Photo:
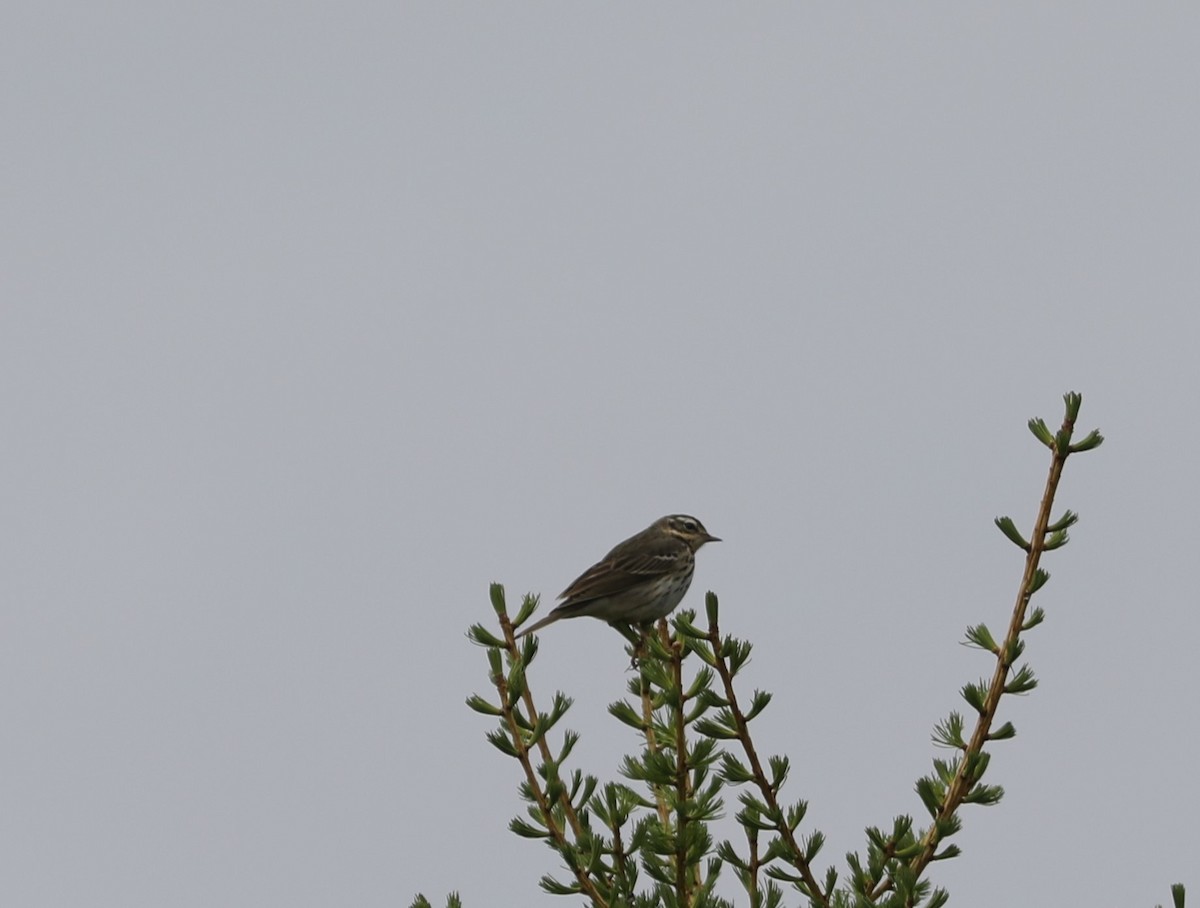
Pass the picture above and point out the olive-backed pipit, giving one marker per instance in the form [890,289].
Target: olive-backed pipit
[642,579]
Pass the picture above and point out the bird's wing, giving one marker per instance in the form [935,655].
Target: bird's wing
[622,569]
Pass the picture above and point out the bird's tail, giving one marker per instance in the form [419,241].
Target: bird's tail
[549,619]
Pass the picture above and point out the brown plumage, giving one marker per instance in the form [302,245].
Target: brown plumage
[641,579]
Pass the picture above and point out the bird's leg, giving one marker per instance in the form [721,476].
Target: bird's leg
[636,639]
[631,637]
[644,630]
[625,630]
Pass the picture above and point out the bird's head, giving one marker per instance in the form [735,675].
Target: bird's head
[689,529]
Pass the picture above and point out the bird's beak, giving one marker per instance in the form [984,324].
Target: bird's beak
[708,538]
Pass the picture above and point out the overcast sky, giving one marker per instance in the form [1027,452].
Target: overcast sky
[317,318]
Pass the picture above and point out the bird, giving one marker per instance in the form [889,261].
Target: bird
[642,579]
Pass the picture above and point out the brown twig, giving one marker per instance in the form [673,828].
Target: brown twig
[517,734]
[664,813]
[961,785]
[796,854]
[539,794]
[683,788]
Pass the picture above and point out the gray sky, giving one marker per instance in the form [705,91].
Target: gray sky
[317,320]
